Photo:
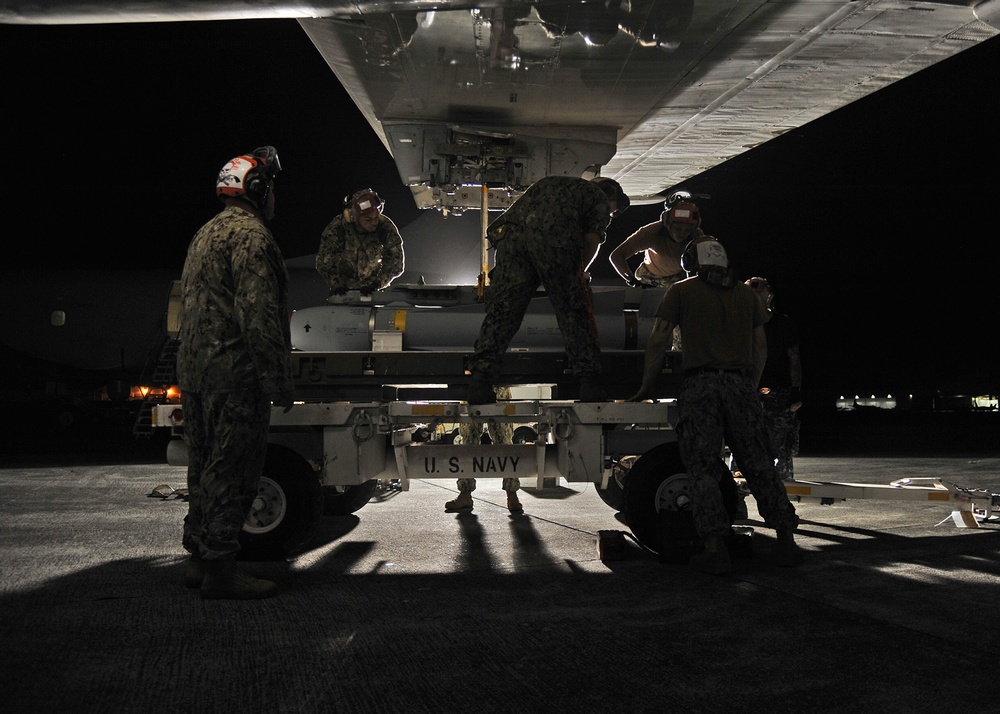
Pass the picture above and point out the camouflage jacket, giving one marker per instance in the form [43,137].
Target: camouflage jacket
[350,259]
[234,317]
[557,204]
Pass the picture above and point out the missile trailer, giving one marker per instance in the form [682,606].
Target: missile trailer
[328,454]
[372,412]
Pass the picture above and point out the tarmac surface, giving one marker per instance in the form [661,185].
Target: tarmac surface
[402,607]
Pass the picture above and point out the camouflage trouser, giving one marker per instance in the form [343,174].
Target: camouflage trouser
[523,262]
[645,277]
[500,432]
[718,409]
[226,436]
[469,484]
[783,428]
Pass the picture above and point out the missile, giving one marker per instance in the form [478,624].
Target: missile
[447,318]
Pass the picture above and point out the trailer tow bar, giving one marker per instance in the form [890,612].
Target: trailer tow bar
[972,505]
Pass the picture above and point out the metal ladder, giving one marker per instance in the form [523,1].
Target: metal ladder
[164,374]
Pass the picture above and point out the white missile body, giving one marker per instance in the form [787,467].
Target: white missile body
[447,318]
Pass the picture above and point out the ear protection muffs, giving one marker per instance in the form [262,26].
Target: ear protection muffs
[257,186]
[258,181]
[249,176]
[758,285]
[689,258]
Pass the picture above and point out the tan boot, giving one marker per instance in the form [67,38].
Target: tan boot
[462,503]
[513,504]
[714,560]
[223,582]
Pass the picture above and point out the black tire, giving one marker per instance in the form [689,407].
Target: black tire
[657,497]
[614,494]
[337,502]
[287,509]
[524,435]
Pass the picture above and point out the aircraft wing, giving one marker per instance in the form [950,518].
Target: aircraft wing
[649,92]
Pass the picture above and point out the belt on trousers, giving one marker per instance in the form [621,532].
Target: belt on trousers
[742,371]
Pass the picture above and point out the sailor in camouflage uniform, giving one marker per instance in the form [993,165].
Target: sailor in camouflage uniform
[724,353]
[232,363]
[781,382]
[500,433]
[360,249]
[548,237]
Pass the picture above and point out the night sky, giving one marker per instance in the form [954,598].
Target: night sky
[875,224]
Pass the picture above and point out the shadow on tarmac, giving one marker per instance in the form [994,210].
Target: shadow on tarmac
[402,607]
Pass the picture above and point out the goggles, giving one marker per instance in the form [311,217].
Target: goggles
[684,213]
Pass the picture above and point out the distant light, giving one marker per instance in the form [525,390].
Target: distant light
[58,318]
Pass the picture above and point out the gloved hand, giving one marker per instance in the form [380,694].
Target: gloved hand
[338,290]
[368,289]
[284,399]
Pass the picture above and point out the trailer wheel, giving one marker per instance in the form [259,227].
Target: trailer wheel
[657,498]
[524,435]
[286,510]
[343,501]
[614,494]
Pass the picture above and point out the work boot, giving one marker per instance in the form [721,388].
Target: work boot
[480,390]
[714,560]
[462,503]
[195,572]
[591,389]
[788,554]
[223,582]
[513,503]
